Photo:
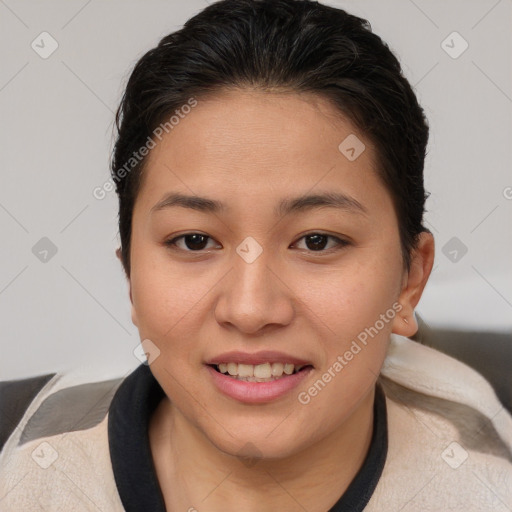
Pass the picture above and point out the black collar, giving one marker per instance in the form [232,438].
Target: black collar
[132,463]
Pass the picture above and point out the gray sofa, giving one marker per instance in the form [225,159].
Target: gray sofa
[489,353]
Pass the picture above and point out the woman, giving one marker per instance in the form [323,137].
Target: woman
[269,167]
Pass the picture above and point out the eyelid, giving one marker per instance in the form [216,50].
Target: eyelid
[171,242]
[340,242]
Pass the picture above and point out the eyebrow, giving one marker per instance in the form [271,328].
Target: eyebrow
[285,206]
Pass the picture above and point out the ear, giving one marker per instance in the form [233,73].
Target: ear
[134,313]
[422,260]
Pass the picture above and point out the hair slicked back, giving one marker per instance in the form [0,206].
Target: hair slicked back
[295,45]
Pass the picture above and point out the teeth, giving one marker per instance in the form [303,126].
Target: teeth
[277,369]
[259,372]
[288,368]
[245,370]
[263,371]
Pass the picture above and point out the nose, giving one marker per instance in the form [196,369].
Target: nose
[253,298]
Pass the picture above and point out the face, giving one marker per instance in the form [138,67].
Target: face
[257,275]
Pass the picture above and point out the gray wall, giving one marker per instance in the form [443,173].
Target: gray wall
[72,309]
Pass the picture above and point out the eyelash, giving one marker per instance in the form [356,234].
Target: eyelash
[171,243]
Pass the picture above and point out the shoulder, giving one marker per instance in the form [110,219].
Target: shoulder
[426,379]
[442,455]
[449,436]
[15,398]
[56,443]
[53,403]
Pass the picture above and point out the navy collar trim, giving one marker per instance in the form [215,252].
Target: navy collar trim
[134,470]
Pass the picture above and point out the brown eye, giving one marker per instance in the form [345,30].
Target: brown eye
[190,242]
[318,242]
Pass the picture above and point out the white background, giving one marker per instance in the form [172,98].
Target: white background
[56,136]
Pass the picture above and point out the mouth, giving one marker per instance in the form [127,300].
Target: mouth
[257,377]
[265,372]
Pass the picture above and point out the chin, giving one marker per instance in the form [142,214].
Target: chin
[253,446]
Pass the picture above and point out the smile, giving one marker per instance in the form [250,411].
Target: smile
[266,372]
[251,389]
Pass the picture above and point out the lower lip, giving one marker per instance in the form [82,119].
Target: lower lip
[257,392]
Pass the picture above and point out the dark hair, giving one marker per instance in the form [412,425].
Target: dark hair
[284,45]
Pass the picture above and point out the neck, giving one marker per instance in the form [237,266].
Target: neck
[195,474]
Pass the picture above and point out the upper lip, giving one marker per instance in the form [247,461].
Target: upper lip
[264,356]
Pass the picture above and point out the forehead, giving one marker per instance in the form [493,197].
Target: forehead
[256,143]
[250,121]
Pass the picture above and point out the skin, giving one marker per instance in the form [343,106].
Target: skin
[250,149]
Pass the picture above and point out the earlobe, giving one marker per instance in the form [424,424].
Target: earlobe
[422,260]
[405,325]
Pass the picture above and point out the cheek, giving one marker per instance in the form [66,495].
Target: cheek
[352,296]
[163,297]
[166,303]
[354,307]
[356,312]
